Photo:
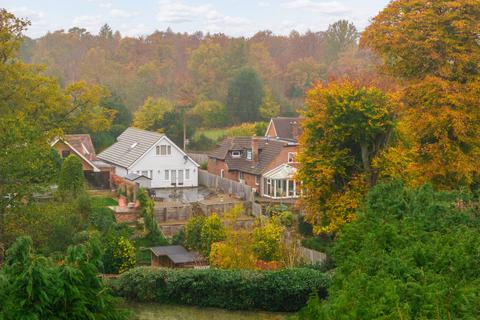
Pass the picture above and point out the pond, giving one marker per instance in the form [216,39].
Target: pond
[146,311]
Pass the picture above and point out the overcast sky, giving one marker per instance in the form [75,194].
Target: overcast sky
[232,17]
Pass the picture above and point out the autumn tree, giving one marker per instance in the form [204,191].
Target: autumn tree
[269,107]
[211,114]
[340,36]
[245,94]
[150,115]
[212,231]
[301,74]
[346,127]
[433,47]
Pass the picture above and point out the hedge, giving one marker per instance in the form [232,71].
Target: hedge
[282,290]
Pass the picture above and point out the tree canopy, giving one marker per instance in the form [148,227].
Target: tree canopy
[410,254]
[245,94]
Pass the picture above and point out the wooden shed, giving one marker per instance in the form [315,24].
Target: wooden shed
[176,257]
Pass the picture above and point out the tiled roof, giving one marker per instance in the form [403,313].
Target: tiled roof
[82,143]
[268,151]
[287,128]
[130,146]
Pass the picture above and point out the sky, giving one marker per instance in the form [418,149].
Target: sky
[232,17]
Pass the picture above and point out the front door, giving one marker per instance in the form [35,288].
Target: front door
[173,177]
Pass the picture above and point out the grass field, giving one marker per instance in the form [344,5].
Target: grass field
[145,311]
[214,134]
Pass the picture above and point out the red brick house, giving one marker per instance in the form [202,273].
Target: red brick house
[97,172]
[266,164]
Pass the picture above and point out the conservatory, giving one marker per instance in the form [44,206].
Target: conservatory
[280,183]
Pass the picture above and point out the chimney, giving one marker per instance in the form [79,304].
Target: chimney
[255,141]
[295,126]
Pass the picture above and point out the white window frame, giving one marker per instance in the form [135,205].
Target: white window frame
[291,157]
[241,175]
[187,174]
[222,173]
[236,154]
[167,175]
[257,180]
[249,154]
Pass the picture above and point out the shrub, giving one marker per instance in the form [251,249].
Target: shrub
[119,255]
[212,231]
[193,231]
[36,287]
[72,180]
[267,239]
[284,290]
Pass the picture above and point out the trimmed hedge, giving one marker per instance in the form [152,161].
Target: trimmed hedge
[284,290]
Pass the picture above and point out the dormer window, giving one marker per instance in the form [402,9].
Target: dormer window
[249,154]
[133,145]
[163,150]
[236,154]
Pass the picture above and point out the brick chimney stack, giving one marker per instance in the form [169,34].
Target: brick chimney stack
[255,141]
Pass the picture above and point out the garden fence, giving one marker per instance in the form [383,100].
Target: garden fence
[212,181]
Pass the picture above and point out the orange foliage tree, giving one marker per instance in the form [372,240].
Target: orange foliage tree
[434,47]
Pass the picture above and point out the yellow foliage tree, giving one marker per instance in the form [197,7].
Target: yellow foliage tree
[346,127]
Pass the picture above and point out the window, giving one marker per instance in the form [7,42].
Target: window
[236,154]
[180,177]
[291,157]
[169,149]
[145,173]
[241,175]
[187,174]
[257,180]
[65,153]
[222,173]
[150,174]
[167,174]
[163,150]
[157,148]
[249,154]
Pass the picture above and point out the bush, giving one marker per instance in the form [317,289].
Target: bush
[119,255]
[72,180]
[33,286]
[410,254]
[285,290]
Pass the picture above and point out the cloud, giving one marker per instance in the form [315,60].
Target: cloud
[119,13]
[90,22]
[206,17]
[264,4]
[105,5]
[326,7]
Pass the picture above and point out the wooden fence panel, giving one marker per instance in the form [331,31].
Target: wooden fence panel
[199,158]
[227,186]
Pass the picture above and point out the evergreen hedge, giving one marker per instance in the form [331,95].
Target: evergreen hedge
[284,290]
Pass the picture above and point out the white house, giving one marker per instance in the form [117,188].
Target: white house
[153,155]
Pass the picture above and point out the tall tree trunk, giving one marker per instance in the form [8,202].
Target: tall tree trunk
[366,163]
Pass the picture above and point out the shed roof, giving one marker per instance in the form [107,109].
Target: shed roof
[133,176]
[177,254]
[130,146]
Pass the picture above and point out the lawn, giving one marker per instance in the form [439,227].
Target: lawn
[145,311]
[212,133]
